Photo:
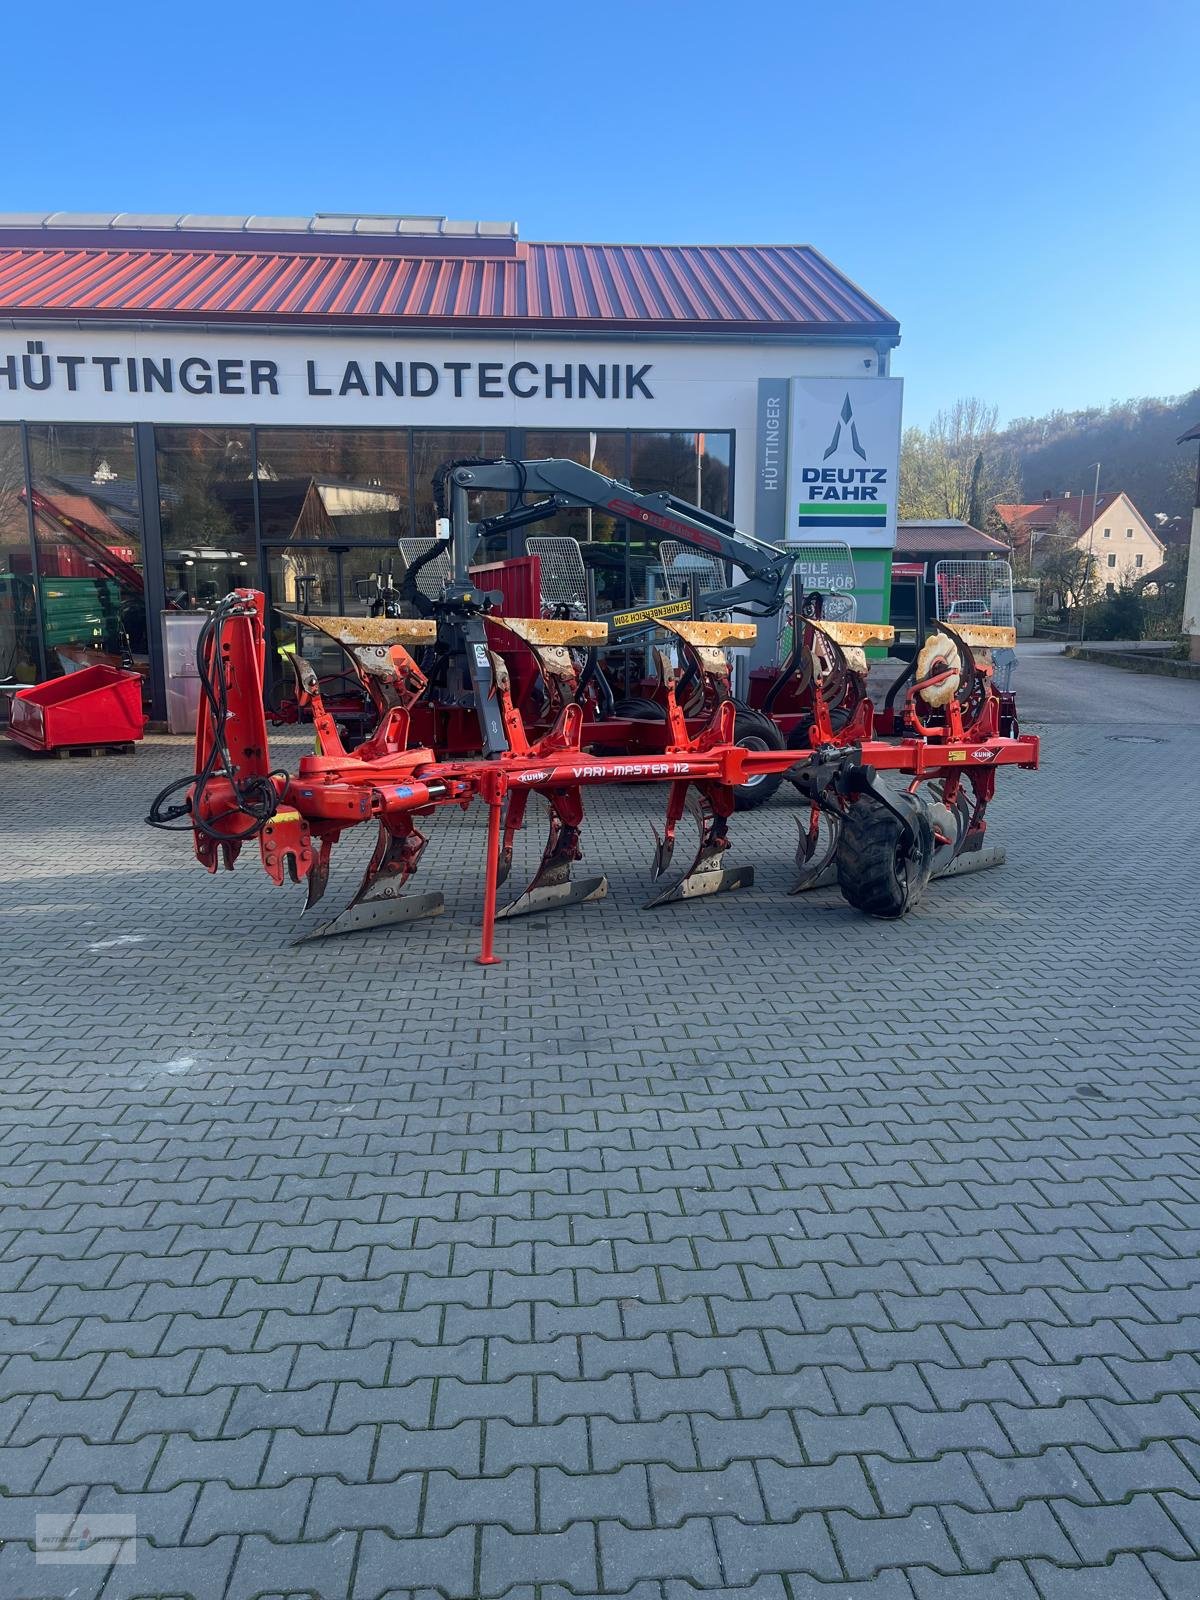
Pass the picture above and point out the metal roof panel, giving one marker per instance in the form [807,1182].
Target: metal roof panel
[715,288]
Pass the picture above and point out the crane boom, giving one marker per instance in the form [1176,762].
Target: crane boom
[563,484]
[465,673]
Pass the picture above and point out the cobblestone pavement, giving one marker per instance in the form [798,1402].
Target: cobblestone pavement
[747,1248]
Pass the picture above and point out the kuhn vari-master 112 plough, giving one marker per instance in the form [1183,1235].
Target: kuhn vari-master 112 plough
[473,701]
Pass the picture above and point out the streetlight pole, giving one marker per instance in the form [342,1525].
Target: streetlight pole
[1087,577]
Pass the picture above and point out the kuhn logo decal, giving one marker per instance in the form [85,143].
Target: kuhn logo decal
[982,755]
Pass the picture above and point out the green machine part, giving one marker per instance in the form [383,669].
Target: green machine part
[82,611]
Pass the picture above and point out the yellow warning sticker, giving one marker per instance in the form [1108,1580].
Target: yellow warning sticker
[629,619]
[956,755]
[286,816]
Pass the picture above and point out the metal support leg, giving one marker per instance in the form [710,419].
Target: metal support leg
[487,956]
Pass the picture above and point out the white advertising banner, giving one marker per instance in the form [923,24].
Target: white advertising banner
[844,461]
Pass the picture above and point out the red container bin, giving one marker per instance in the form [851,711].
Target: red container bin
[97,705]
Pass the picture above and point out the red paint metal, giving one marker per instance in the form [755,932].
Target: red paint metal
[773,288]
[97,705]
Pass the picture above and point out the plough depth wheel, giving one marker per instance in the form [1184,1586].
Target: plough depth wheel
[884,860]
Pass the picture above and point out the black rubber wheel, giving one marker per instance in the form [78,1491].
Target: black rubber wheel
[640,709]
[881,870]
[754,731]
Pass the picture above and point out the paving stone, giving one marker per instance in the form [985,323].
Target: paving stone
[826,1438]
[1120,1473]
[407,1566]
[947,1480]
[1009,1480]
[221,1510]
[669,1441]
[891,1585]
[353,1403]
[303,1455]
[801,1546]
[868,1544]
[1141,1523]
[509,1558]
[688,1551]
[732,1491]
[453,1502]
[562,1444]
[1176,1579]
[790,1490]
[1008,1581]
[566,1497]
[1127,1578]
[771,1588]
[122,1466]
[195,1571]
[984,1538]
[335,1506]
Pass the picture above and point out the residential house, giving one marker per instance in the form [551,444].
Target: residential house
[1109,527]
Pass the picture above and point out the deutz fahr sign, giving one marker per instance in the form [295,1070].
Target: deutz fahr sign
[844,460]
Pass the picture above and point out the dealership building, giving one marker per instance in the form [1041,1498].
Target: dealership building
[189,404]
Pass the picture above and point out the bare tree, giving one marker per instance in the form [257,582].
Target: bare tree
[957,467]
[1066,568]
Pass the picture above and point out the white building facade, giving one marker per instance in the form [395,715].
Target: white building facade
[189,404]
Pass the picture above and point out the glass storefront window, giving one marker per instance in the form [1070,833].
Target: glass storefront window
[338,580]
[206,500]
[331,504]
[691,466]
[716,472]
[18,610]
[432,448]
[87,520]
[601,537]
[333,485]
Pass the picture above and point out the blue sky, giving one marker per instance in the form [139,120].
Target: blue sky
[1014,181]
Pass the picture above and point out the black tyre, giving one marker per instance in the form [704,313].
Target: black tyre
[882,869]
[754,731]
[639,709]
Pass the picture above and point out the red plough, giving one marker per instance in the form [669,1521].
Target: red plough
[882,845]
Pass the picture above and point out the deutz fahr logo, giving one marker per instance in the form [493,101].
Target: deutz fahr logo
[845,420]
[833,495]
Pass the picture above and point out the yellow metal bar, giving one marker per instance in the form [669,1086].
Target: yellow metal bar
[712,633]
[551,631]
[855,633]
[369,630]
[985,636]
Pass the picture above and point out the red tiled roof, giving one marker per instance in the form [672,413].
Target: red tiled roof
[1009,514]
[1076,508]
[713,288]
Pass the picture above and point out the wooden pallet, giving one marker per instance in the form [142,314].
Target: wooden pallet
[67,751]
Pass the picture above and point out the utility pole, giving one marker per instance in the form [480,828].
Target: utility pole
[1191,588]
[1087,574]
